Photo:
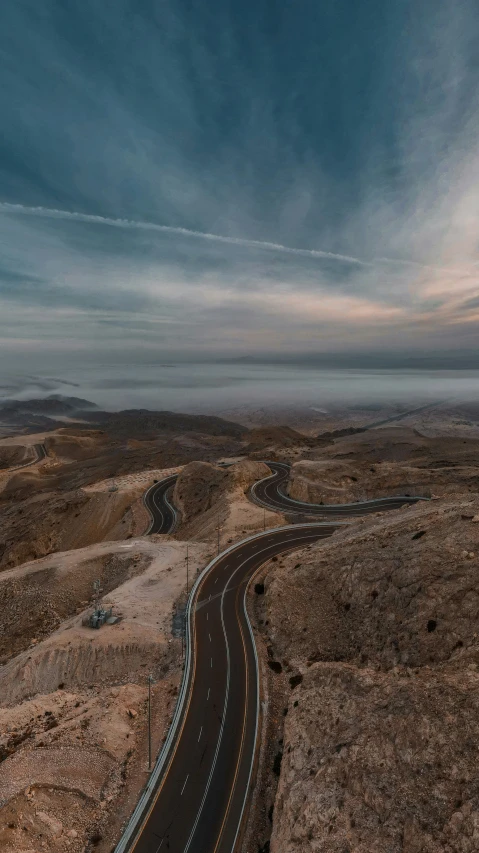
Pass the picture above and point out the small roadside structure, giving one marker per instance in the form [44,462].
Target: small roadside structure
[100,615]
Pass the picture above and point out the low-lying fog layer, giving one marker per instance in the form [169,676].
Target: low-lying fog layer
[213,387]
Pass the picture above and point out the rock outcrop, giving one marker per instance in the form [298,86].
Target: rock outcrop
[376,762]
[376,631]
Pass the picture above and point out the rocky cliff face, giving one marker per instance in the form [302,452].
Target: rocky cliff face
[377,762]
[386,462]
[334,481]
[198,487]
[325,481]
[378,627]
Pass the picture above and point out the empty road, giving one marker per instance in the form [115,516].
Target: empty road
[163,514]
[269,493]
[199,791]
[202,793]
[41,454]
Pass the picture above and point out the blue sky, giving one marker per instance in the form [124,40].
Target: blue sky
[238,178]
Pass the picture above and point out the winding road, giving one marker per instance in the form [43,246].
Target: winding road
[198,792]
[41,454]
[162,512]
[202,790]
[268,493]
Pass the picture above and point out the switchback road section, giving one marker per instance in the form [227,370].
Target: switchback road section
[41,453]
[198,792]
[269,493]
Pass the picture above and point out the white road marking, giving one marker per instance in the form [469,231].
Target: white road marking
[209,688]
[300,540]
[184,784]
[207,615]
[216,580]
[159,848]
[200,732]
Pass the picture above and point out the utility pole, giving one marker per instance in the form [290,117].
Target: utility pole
[97,591]
[187,572]
[150,680]
[218,528]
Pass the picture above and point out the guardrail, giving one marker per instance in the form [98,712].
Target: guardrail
[145,803]
[39,457]
[313,507]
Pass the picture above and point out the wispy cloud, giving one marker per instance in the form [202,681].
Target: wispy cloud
[74,216]
[175,179]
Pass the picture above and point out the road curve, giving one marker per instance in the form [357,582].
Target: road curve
[199,791]
[162,512]
[268,493]
[196,796]
[41,454]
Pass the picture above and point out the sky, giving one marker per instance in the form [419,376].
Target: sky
[189,179]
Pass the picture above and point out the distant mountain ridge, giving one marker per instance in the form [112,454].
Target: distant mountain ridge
[55,404]
[48,413]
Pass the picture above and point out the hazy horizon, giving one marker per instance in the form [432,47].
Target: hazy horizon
[214,387]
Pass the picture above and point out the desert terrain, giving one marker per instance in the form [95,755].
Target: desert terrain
[368,641]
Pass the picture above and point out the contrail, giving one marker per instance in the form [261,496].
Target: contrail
[134,224]
[52,213]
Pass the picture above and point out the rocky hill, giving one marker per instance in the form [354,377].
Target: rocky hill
[396,460]
[377,631]
[210,496]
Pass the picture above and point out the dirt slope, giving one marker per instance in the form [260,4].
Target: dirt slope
[376,763]
[43,524]
[11,456]
[73,733]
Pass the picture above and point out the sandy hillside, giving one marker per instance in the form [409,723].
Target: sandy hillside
[376,633]
[13,455]
[52,522]
[58,521]
[120,444]
[208,495]
[458,419]
[72,711]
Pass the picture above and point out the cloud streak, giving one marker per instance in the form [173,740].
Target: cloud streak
[75,216]
[224,179]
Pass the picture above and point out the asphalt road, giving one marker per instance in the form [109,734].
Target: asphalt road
[202,794]
[41,452]
[269,493]
[163,514]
